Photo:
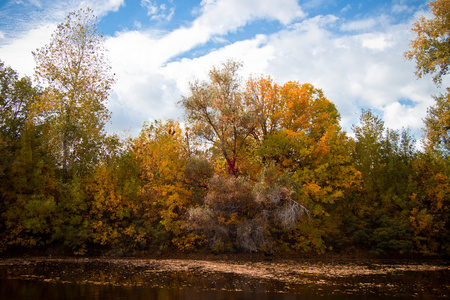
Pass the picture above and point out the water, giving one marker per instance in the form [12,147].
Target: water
[105,280]
[24,290]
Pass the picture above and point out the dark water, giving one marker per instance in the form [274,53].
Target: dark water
[20,289]
[101,280]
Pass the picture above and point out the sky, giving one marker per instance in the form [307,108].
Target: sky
[352,50]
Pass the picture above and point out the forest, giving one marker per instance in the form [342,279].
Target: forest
[254,166]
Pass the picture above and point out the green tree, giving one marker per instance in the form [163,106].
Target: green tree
[384,201]
[76,72]
[367,155]
[15,97]
[72,114]
[29,192]
[437,125]
[21,164]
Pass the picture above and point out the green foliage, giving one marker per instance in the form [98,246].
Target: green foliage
[16,96]
[391,207]
[392,236]
[78,78]
[29,193]
[437,126]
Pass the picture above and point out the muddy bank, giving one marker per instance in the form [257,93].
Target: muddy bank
[430,278]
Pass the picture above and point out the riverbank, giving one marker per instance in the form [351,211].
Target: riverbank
[280,269]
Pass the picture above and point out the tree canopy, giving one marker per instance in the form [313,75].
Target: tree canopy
[75,69]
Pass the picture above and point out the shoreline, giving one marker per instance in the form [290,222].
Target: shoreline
[278,268]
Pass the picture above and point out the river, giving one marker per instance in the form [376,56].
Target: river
[173,279]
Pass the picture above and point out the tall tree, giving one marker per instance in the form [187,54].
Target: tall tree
[217,114]
[75,69]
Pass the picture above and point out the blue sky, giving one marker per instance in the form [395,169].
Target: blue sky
[352,50]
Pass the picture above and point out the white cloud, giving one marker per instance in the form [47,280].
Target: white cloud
[377,41]
[399,8]
[222,16]
[156,11]
[398,116]
[354,70]
[36,3]
[18,54]
[33,29]
[367,24]
[29,15]
[255,54]
[150,85]
[359,25]
[100,7]
[346,8]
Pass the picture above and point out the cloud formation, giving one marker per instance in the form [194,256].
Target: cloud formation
[28,25]
[146,76]
[357,62]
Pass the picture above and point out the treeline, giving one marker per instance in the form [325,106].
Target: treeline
[257,166]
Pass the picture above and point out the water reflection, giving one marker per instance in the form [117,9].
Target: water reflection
[103,280]
[35,290]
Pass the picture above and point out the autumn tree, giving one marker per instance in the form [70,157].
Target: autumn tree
[216,112]
[114,222]
[293,129]
[431,51]
[311,145]
[263,99]
[431,47]
[162,153]
[430,216]
[76,72]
